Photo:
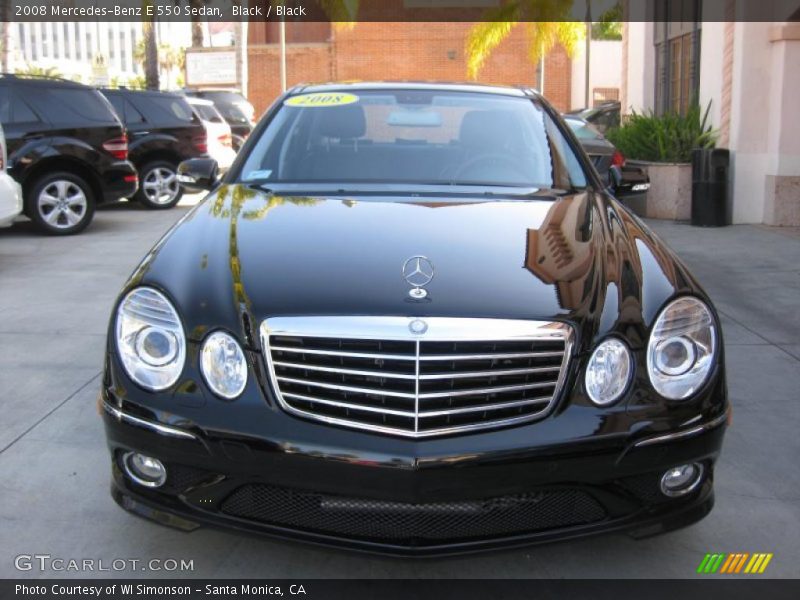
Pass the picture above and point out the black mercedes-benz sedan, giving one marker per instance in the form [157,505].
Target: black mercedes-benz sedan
[412,319]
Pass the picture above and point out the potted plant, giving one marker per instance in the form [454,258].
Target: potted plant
[663,145]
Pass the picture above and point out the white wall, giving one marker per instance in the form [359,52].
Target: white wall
[712,45]
[765,119]
[749,120]
[605,66]
[641,67]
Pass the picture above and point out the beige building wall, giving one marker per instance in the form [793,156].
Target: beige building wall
[639,60]
[604,72]
[755,105]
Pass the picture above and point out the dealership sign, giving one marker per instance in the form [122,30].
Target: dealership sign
[210,68]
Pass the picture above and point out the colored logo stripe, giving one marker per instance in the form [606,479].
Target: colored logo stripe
[734,563]
[758,563]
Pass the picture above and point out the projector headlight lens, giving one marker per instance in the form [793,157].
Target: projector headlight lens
[223,365]
[608,372]
[150,339]
[681,349]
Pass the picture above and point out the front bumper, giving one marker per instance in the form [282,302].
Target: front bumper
[408,505]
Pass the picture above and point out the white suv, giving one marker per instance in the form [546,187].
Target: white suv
[10,190]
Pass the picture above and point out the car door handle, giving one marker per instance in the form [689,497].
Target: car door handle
[33,136]
[141,133]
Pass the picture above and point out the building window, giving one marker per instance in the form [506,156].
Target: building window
[677,45]
[34,41]
[68,43]
[54,40]
[22,40]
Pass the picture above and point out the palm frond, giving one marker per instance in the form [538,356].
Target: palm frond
[340,11]
[570,34]
[485,36]
[545,24]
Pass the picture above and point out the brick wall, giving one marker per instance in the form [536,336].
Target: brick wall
[304,62]
[398,51]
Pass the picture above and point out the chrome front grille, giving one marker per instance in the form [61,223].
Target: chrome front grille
[455,375]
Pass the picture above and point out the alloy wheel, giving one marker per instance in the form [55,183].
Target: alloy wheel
[160,185]
[62,204]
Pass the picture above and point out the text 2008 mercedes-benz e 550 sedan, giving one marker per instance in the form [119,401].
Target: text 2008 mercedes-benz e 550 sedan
[412,319]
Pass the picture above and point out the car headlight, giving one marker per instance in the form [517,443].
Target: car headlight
[150,339]
[681,349]
[223,365]
[608,372]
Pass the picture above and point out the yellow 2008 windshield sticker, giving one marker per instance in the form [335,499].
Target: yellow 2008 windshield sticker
[321,99]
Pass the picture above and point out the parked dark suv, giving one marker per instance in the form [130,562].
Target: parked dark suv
[66,147]
[163,131]
[235,109]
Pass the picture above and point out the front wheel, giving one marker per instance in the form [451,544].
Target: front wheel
[158,185]
[60,203]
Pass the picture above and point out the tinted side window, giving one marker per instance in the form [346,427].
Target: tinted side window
[21,112]
[164,109]
[208,113]
[73,106]
[5,104]
[131,114]
[231,112]
[14,110]
[118,103]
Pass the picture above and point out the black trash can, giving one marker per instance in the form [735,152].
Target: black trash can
[710,186]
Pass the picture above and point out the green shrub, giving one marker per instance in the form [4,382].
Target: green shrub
[665,138]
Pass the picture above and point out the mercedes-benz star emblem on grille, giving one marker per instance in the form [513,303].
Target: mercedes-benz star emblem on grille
[418,272]
[418,326]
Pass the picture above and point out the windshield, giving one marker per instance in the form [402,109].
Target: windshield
[582,129]
[207,112]
[413,136]
[232,105]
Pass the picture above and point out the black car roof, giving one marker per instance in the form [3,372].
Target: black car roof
[141,92]
[519,92]
[41,81]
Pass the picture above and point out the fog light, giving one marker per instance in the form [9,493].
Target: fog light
[681,480]
[144,470]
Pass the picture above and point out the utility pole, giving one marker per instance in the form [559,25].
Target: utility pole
[5,38]
[587,73]
[541,72]
[240,49]
[283,54]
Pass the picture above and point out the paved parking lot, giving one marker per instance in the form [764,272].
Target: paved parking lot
[55,298]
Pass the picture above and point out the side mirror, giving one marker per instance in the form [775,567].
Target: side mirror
[628,181]
[198,174]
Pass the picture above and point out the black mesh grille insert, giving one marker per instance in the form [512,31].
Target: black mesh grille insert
[413,524]
[180,478]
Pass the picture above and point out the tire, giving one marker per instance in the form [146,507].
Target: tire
[60,203]
[158,185]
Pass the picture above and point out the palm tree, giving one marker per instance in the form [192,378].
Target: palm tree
[546,23]
[169,58]
[150,57]
[340,11]
[38,71]
[5,38]
[197,24]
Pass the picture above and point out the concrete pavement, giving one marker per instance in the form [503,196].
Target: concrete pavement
[55,298]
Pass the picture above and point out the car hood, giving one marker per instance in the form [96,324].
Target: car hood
[243,255]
